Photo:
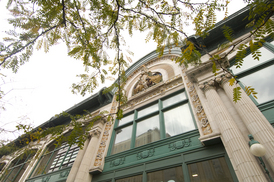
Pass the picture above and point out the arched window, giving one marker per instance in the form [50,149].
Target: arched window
[55,158]
[18,166]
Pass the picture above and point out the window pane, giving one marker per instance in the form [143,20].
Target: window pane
[178,120]
[126,119]
[122,140]
[167,175]
[174,99]
[249,62]
[211,170]
[147,131]
[261,80]
[147,110]
[138,178]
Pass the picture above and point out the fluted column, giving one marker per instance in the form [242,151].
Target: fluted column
[83,171]
[77,162]
[244,162]
[254,120]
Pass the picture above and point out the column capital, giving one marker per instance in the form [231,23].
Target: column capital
[221,80]
[95,132]
[207,85]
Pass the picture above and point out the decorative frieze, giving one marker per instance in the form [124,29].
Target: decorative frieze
[145,154]
[199,110]
[117,162]
[102,146]
[179,144]
[153,91]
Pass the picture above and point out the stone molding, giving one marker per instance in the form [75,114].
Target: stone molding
[198,109]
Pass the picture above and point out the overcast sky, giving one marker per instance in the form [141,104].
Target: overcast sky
[41,88]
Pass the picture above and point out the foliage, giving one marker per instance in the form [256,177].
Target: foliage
[91,28]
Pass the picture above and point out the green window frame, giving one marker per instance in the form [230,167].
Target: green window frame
[157,113]
[17,167]
[251,68]
[55,158]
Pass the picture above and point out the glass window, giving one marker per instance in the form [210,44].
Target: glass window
[17,167]
[178,120]
[261,81]
[147,131]
[56,158]
[122,140]
[153,123]
[126,119]
[167,175]
[174,99]
[260,76]
[214,170]
[138,178]
[249,62]
[147,110]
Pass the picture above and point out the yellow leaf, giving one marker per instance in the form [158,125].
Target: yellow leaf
[231,81]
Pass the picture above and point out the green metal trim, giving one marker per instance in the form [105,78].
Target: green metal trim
[64,158]
[161,120]
[22,165]
[11,170]
[48,161]
[111,142]
[37,162]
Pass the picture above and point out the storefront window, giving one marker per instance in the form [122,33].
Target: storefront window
[167,175]
[138,178]
[210,170]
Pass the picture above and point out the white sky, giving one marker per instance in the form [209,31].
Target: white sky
[41,88]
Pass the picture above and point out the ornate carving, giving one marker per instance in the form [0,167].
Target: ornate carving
[200,113]
[102,146]
[145,154]
[95,133]
[208,85]
[146,80]
[179,144]
[117,162]
[223,79]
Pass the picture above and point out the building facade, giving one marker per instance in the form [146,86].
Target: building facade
[180,124]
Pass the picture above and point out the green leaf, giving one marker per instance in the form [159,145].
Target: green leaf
[236,94]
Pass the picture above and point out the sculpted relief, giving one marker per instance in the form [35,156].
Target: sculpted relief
[146,80]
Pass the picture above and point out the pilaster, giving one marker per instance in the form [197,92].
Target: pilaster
[254,120]
[243,161]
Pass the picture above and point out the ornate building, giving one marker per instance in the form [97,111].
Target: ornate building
[180,124]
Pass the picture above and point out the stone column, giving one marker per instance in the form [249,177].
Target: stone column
[254,120]
[244,161]
[83,171]
[77,162]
